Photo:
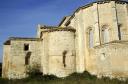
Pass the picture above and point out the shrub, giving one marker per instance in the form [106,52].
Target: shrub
[34,71]
[85,75]
[50,77]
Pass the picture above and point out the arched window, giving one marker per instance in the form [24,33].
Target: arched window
[91,38]
[105,34]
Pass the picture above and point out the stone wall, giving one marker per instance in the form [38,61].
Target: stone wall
[97,16]
[18,54]
[57,44]
[122,15]
[62,50]
[110,60]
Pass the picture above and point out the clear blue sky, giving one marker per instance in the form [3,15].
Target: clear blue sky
[19,18]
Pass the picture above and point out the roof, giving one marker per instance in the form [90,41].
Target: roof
[23,38]
[52,29]
[48,27]
[8,42]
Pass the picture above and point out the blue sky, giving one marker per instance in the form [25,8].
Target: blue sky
[19,18]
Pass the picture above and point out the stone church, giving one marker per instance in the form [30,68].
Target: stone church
[94,39]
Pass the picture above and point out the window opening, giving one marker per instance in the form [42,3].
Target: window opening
[26,47]
[64,58]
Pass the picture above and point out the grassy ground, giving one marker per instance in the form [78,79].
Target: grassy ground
[75,78]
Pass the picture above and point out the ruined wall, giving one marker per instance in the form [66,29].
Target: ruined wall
[18,54]
[60,54]
[110,60]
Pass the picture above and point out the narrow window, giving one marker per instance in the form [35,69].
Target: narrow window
[26,47]
[105,34]
[27,58]
[119,32]
[64,58]
[90,38]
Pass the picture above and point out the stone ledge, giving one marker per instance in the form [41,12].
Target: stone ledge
[52,29]
[113,42]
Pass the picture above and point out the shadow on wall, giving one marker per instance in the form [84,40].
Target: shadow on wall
[27,58]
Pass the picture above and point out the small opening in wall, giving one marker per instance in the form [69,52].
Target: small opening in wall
[26,47]
[41,34]
[119,31]
[64,58]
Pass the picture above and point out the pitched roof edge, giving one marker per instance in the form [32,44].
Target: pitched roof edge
[63,19]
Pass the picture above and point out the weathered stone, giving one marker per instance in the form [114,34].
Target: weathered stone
[65,49]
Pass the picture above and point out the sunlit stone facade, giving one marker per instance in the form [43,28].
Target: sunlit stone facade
[94,39]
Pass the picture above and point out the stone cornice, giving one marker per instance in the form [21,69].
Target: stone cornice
[51,29]
[113,42]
